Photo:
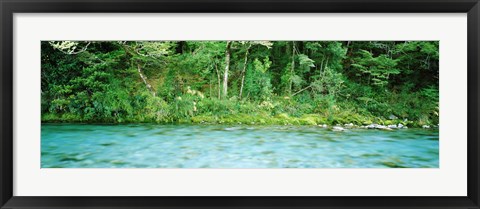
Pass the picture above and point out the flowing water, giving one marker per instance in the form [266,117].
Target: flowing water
[222,146]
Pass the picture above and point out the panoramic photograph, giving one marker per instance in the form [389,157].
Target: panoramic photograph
[240,104]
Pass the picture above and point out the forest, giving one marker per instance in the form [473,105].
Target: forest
[241,82]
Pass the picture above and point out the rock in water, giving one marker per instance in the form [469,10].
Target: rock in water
[425,126]
[323,126]
[382,127]
[400,125]
[338,128]
[232,128]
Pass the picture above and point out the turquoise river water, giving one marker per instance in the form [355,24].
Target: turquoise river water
[227,146]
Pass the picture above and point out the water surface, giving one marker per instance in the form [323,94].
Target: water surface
[223,146]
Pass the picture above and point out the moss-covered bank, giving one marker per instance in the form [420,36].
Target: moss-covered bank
[247,119]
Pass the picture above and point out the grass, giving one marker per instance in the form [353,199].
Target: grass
[194,110]
[242,118]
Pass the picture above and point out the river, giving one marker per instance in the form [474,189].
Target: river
[230,146]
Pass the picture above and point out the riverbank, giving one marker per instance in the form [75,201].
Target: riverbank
[316,83]
[344,121]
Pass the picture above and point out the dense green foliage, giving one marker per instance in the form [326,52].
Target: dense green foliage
[253,82]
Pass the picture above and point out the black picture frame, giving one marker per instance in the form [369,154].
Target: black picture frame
[9,7]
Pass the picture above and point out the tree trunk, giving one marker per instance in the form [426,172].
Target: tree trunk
[243,72]
[302,90]
[219,81]
[144,79]
[326,63]
[348,47]
[292,71]
[325,67]
[210,85]
[227,67]
[321,67]
[139,70]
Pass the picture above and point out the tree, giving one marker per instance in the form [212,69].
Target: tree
[144,52]
[172,81]
[227,67]
[378,69]
[248,45]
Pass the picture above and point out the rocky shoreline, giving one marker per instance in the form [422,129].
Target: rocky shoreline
[344,127]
